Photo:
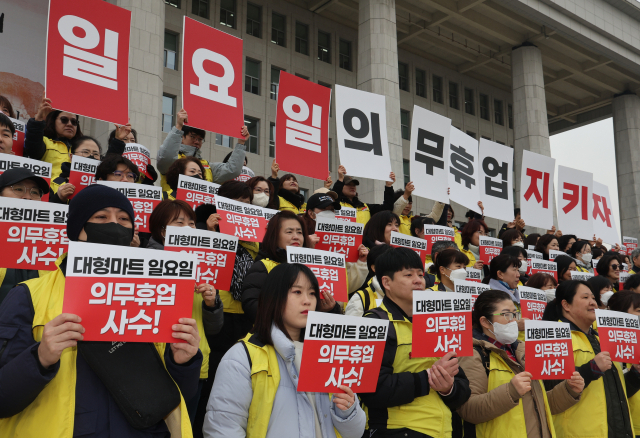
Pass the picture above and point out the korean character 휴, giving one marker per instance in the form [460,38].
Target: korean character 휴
[53,236]
[123,292]
[449,344]
[34,234]
[625,352]
[556,367]
[145,294]
[213,259]
[164,289]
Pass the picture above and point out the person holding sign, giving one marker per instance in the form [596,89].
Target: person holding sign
[470,241]
[7,131]
[415,396]
[581,251]
[61,190]
[566,265]
[610,266]
[52,384]
[603,410]
[188,166]
[371,294]
[119,138]
[448,268]
[545,243]
[504,400]
[254,393]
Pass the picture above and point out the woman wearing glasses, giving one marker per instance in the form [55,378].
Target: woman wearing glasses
[610,266]
[470,241]
[504,400]
[49,136]
[61,190]
[117,168]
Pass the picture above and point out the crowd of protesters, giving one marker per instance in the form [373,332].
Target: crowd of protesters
[219,382]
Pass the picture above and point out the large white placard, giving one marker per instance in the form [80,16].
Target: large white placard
[463,170]
[361,125]
[496,179]
[575,202]
[536,189]
[604,223]
[430,154]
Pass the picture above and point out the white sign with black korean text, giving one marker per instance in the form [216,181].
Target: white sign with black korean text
[463,170]
[496,179]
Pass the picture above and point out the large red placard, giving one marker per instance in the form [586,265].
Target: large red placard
[340,236]
[329,268]
[245,221]
[532,302]
[196,191]
[138,155]
[619,335]
[83,173]
[88,53]
[549,350]
[414,243]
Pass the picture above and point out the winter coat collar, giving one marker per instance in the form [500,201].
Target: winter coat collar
[190,151]
[295,198]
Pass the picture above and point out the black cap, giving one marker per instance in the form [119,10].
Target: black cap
[349,179]
[17,174]
[323,200]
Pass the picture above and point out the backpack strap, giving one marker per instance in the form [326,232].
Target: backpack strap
[367,300]
[484,356]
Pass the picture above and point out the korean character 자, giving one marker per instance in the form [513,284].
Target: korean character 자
[450,343]
[145,294]
[164,289]
[124,292]
[356,376]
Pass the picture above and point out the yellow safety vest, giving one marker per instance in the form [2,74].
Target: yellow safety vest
[588,418]
[229,304]
[368,297]
[52,413]
[468,253]
[405,225]
[265,378]
[286,205]
[204,344]
[363,214]
[511,423]
[208,175]
[581,269]
[634,409]
[56,153]
[168,195]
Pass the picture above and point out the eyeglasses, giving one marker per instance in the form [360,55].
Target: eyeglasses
[88,154]
[129,175]
[615,267]
[196,137]
[20,190]
[65,120]
[509,316]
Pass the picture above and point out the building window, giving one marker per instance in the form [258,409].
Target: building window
[302,76]
[498,115]
[403,76]
[170,49]
[405,171]
[253,125]
[201,8]
[168,109]
[278,29]
[324,84]
[324,47]
[486,138]
[305,194]
[510,115]
[174,3]
[453,95]
[272,140]
[254,20]
[302,38]
[500,142]
[225,140]
[484,107]
[437,89]
[275,81]
[227,13]
[472,134]
[405,124]
[345,55]
[421,83]
[330,155]
[469,102]
[252,77]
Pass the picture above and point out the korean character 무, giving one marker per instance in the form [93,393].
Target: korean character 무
[124,292]
[164,289]
[356,377]
[145,294]
[34,234]
[341,353]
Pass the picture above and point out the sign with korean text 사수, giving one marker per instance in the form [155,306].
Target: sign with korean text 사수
[39,168]
[532,302]
[138,155]
[129,296]
[619,335]
[414,243]
[244,221]
[329,268]
[549,350]
[34,233]
[341,350]
[339,236]
[216,253]
[83,173]
[196,191]
[490,248]
[441,323]
[144,199]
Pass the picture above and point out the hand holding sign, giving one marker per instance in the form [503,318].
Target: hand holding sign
[187,330]
[63,331]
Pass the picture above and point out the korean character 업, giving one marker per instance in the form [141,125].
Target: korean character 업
[170,291]
[213,259]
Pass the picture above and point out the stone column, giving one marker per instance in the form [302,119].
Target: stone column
[626,129]
[378,73]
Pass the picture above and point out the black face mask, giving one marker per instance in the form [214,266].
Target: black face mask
[109,233]
[196,176]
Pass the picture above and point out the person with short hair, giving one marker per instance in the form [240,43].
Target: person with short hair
[379,228]
[521,254]
[635,261]
[633,283]
[61,190]
[581,252]
[566,241]
[118,140]
[448,268]
[289,195]
[546,243]
[436,249]
[470,242]
[531,240]
[186,141]
[610,267]
[414,396]
[187,166]
[512,237]
[7,131]
[117,168]
[370,294]
[602,290]
[566,265]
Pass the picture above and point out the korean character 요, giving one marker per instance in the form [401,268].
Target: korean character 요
[170,291]
[206,276]
[624,352]
[450,343]
[554,366]
[157,268]
[98,290]
[124,292]
[145,294]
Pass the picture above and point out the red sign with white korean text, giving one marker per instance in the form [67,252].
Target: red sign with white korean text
[340,237]
[414,243]
[341,350]
[474,275]
[88,52]
[490,248]
[212,78]
[624,276]
[435,233]
[128,296]
[532,255]
[83,173]
[618,332]
[302,126]
[245,174]
[39,168]
[549,350]
[575,202]
[143,198]
[138,155]
[329,268]
[441,323]
[244,221]
[470,287]
[536,196]
[532,302]
[18,137]
[594,263]
[631,243]
[216,253]
[544,266]
[34,233]
[348,214]
[195,191]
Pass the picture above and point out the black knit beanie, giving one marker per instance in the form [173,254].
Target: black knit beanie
[92,199]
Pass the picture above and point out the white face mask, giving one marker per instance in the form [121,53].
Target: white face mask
[605,297]
[586,258]
[551,295]
[260,199]
[458,274]
[520,244]
[326,214]
[505,333]
[523,267]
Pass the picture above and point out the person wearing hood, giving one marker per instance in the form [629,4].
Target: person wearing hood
[449,267]
[49,136]
[185,141]
[187,166]
[370,295]
[50,383]
[346,188]
[20,183]
[505,401]
[581,252]
[284,229]
[521,254]
[85,146]
[470,242]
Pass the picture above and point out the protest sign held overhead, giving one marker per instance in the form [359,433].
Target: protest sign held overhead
[414,243]
[329,268]
[575,202]
[618,334]
[302,127]
[195,191]
[361,125]
[549,350]
[630,242]
[604,224]
[341,350]
[441,323]
[82,174]
[532,302]
[39,168]
[138,155]
[340,237]
[463,170]
[490,248]
[496,179]
[88,52]
[18,137]
[536,189]
[144,199]
[132,297]
[216,253]
[244,221]
[429,152]
[470,287]
[212,78]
